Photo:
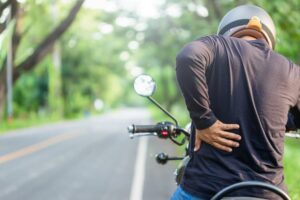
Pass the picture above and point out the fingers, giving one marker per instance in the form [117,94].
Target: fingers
[197,143]
[230,135]
[222,147]
[227,143]
[229,126]
[218,142]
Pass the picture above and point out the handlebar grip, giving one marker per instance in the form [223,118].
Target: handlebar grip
[143,128]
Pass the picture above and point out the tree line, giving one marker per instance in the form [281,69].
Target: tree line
[67,55]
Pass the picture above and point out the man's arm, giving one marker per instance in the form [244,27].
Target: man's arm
[191,65]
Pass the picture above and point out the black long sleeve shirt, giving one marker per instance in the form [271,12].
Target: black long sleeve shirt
[242,82]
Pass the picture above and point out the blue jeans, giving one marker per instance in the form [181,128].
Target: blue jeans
[179,194]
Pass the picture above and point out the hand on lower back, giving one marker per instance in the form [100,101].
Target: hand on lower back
[218,136]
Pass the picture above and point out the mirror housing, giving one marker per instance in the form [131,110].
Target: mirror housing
[144,85]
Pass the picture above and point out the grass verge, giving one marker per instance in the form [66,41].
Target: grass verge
[291,167]
[24,123]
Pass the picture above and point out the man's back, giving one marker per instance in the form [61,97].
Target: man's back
[241,82]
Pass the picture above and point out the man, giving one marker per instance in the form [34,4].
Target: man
[238,92]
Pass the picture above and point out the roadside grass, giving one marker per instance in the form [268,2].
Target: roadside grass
[24,123]
[36,120]
[291,156]
[292,167]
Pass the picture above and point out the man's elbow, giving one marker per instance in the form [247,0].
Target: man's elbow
[187,54]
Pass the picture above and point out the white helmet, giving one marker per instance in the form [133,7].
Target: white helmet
[248,20]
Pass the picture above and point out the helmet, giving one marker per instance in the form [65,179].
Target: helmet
[248,20]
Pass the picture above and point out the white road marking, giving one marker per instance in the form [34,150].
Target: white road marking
[139,170]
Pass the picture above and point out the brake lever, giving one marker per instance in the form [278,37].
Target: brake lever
[133,135]
[186,133]
[178,143]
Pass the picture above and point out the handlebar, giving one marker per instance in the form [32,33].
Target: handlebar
[162,130]
[144,128]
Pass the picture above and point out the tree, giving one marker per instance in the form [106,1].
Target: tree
[40,51]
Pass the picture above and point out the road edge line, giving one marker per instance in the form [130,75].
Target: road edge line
[139,170]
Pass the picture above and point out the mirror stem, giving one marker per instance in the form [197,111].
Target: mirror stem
[164,110]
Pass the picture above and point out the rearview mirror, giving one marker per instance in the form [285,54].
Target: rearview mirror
[144,85]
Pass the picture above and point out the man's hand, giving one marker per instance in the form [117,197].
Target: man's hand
[218,136]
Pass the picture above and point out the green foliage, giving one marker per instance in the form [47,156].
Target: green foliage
[90,64]
[91,68]
[30,92]
[55,104]
[286,18]
[30,120]
[291,164]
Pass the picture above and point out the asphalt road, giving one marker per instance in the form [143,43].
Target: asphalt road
[90,159]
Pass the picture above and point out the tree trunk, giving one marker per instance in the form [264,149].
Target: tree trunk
[2,94]
[15,14]
[215,6]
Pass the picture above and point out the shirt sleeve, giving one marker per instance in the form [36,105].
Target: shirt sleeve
[191,65]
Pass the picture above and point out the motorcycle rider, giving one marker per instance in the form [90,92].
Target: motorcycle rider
[238,92]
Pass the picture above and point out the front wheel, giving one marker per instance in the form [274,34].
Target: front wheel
[221,194]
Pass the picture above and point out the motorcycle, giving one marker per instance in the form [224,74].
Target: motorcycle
[145,86]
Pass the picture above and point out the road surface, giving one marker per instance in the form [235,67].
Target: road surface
[90,159]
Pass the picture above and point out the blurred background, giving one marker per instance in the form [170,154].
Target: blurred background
[68,66]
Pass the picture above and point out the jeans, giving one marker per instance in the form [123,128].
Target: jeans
[179,194]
